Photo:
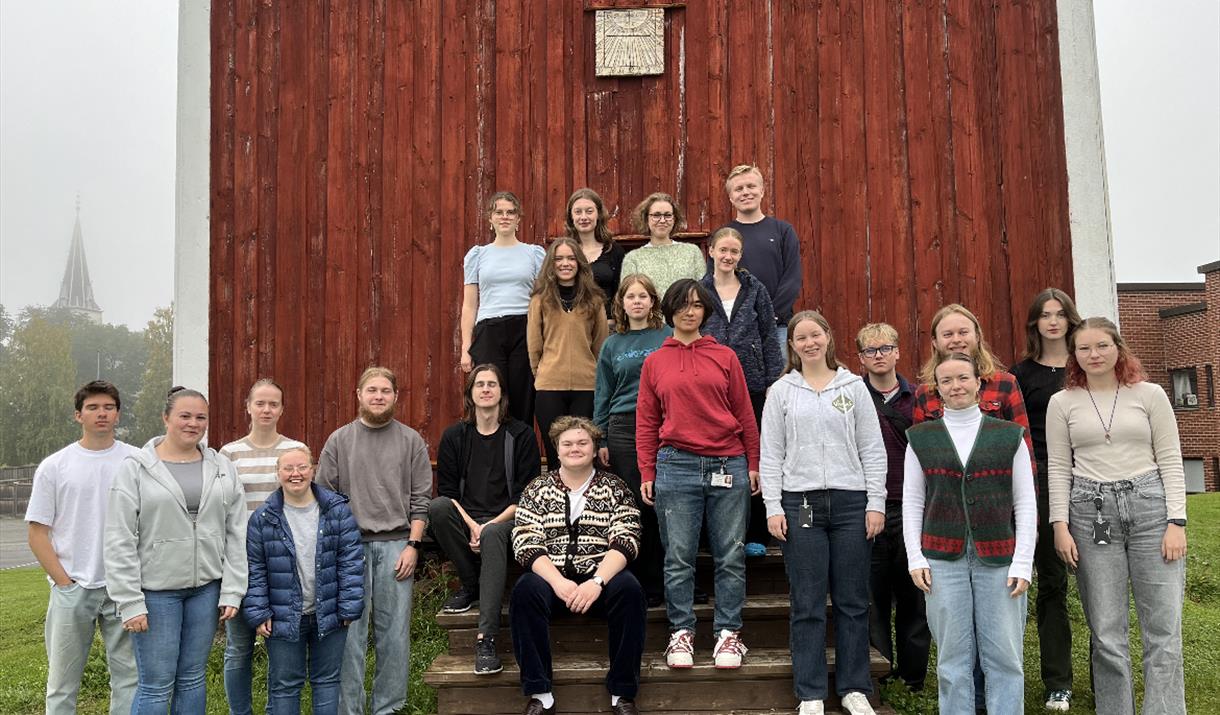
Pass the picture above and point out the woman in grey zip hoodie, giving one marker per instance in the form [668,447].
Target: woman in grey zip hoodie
[823,469]
[175,555]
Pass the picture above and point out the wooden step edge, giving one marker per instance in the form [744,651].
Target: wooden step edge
[773,605]
[759,664]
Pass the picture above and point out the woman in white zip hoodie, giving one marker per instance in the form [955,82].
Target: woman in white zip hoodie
[823,471]
[175,555]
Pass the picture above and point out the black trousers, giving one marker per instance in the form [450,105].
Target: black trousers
[485,572]
[1054,628]
[621,604]
[550,405]
[620,440]
[891,584]
[756,531]
[501,342]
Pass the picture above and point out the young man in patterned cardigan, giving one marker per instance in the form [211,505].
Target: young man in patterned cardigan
[576,530]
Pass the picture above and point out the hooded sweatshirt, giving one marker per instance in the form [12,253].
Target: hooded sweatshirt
[153,543]
[694,398]
[821,439]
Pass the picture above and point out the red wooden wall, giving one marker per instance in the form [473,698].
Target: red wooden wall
[917,146]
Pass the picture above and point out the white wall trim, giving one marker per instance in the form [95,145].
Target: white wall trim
[1088,193]
[192,195]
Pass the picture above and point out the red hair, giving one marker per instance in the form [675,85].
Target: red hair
[1128,369]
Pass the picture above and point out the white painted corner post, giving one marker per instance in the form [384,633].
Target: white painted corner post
[192,238]
[1088,194]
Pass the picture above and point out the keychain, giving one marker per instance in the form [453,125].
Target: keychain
[806,513]
[1101,527]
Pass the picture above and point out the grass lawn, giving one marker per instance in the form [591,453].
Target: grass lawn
[23,594]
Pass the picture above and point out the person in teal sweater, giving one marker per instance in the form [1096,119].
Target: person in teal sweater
[639,330]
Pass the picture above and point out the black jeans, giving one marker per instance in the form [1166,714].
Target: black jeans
[550,405]
[757,532]
[620,440]
[484,572]
[1054,628]
[501,342]
[621,604]
[891,585]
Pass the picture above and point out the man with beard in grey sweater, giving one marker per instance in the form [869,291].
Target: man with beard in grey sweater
[382,466]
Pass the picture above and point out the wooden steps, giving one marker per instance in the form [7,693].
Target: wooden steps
[764,680]
[762,685]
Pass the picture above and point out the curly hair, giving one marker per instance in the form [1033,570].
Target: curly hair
[640,215]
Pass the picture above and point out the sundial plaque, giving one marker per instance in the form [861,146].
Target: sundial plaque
[630,42]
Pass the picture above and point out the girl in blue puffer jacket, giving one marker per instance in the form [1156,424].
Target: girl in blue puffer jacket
[306,584]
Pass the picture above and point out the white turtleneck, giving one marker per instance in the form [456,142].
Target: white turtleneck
[963,428]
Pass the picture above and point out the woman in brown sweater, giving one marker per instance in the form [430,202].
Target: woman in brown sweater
[565,331]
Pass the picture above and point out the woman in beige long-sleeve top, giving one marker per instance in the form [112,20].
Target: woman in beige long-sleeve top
[565,332]
[1118,508]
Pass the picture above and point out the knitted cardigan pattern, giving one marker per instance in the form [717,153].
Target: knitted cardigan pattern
[610,520]
[974,501]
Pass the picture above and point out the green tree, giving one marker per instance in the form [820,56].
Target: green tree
[37,381]
[158,374]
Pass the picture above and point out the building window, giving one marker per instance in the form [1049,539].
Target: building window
[1185,387]
[1194,476]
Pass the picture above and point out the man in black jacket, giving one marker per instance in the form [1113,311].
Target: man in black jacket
[483,463]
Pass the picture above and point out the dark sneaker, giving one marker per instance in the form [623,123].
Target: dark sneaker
[1060,700]
[534,707]
[625,707]
[461,601]
[486,659]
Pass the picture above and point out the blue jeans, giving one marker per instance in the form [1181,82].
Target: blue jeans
[1136,512]
[387,604]
[289,662]
[172,655]
[684,494]
[239,653]
[831,556]
[970,610]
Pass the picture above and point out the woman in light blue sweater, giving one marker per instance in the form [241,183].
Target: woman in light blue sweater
[823,469]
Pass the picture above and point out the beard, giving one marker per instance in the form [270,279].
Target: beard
[377,419]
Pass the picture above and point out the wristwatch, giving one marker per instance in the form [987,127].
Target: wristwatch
[415,543]
[598,580]
[1178,522]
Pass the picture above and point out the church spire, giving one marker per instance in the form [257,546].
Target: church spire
[75,290]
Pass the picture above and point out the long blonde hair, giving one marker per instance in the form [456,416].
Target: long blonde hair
[987,363]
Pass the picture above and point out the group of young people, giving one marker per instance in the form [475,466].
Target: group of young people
[694,404]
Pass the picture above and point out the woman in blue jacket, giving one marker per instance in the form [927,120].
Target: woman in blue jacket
[744,320]
[306,584]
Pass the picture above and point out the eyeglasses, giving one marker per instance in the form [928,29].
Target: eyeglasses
[1100,348]
[661,217]
[302,469]
[881,350]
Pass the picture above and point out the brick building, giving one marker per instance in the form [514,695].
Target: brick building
[1174,328]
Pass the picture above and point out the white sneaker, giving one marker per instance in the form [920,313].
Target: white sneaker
[857,703]
[680,653]
[811,707]
[729,650]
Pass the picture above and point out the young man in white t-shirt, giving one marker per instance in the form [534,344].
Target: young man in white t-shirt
[67,515]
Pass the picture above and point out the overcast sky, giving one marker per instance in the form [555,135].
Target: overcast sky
[87,102]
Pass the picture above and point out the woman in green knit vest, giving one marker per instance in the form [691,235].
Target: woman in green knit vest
[969,517]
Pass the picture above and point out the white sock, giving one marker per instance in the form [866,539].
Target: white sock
[547,699]
[613,700]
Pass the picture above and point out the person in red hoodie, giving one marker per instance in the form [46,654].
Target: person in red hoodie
[697,446]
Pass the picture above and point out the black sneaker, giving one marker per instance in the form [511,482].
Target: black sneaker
[461,601]
[486,659]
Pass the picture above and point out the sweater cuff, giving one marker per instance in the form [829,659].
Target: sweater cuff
[534,555]
[619,547]
[132,609]
[774,507]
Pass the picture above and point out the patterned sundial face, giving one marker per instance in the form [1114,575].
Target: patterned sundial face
[630,42]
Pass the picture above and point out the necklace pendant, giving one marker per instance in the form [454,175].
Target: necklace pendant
[1108,438]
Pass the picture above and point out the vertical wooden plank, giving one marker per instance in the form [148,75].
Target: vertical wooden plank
[224,80]
[510,109]
[852,265]
[557,171]
[715,140]
[318,392]
[398,265]
[262,343]
[246,204]
[830,138]
[701,209]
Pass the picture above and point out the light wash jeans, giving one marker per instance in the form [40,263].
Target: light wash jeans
[969,610]
[239,656]
[291,663]
[1137,516]
[73,613]
[684,495]
[387,603]
[172,655]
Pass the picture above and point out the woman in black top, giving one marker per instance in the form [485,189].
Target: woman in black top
[585,222]
[1052,316]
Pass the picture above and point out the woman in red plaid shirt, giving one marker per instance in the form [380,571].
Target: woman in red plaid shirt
[956,330]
